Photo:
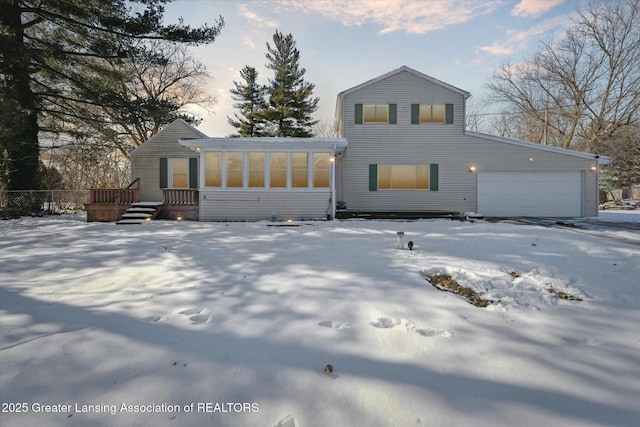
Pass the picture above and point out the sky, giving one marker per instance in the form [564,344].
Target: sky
[346,42]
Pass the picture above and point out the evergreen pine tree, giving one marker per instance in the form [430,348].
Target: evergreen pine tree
[291,103]
[43,46]
[250,100]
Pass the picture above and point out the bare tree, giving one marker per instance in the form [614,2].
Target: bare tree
[324,129]
[624,149]
[138,98]
[473,117]
[579,91]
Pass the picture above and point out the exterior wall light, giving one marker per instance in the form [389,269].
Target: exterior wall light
[472,169]
[179,219]
[593,169]
[530,159]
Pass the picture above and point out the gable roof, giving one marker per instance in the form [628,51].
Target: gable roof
[172,125]
[404,68]
[603,160]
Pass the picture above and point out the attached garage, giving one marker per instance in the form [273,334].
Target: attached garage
[509,194]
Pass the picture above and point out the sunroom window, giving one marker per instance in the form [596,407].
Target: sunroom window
[234,169]
[278,170]
[299,170]
[213,169]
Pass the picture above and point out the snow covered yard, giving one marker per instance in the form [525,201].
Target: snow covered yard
[232,324]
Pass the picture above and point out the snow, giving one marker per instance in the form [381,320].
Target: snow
[232,324]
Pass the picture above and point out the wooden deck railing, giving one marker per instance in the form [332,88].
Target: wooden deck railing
[180,196]
[110,195]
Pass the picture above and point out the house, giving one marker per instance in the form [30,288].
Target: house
[402,148]
[409,152]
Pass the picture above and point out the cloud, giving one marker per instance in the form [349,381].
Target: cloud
[410,16]
[533,8]
[247,41]
[256,19]
[517,40]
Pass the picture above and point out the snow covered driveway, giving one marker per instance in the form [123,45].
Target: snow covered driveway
[232,324]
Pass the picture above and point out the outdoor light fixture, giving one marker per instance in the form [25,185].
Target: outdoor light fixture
[593,169]
[530,159]
[332,159]
[148,219]
[472,169]
[179,219]
[197,148]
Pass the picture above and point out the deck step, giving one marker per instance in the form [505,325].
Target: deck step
[141,210]
[136,215]
[129,221]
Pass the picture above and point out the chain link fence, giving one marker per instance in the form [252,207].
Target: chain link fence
[14,203]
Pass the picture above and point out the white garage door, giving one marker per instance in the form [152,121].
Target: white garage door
[530,193]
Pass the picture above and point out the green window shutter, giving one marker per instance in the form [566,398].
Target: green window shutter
[164,172]
[393,114]
[193,172]
[433,185]
[415,114]
[373,177]
[358,114]
[448,114]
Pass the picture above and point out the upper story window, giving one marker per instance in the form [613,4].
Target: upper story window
[375,113]
[431,113]
[378,113]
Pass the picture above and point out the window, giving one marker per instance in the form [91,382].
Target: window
[234,169]
[179,173]
[299,170]
[256,169]
[278,170]
[321,168]
[375,113]
[213,169]
[403,177]
[431,113]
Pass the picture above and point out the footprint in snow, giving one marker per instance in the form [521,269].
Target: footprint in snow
[426,332]
[334,325]
[385,323]
[195,316]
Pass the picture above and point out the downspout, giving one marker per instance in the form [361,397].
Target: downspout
[597,156]
[332,182]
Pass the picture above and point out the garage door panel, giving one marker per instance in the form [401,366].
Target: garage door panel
[530,193]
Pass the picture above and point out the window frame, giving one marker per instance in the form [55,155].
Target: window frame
[385,172]
[170,172]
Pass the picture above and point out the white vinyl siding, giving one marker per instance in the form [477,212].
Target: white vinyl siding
[145,163]
[446,145]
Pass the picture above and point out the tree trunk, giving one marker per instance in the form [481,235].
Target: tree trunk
[22,133]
